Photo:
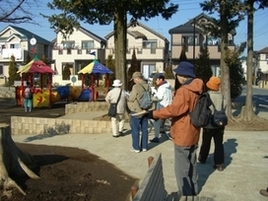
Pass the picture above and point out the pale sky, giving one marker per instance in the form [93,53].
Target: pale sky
[188,9]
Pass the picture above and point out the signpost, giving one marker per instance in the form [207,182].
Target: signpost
[73,79]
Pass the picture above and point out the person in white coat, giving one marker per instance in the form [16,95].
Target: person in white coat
[119,120]
[163,95]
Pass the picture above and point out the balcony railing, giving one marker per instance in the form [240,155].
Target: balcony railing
[73,51]
[142,53]
[5,54]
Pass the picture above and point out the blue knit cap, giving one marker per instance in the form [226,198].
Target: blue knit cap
[186,69]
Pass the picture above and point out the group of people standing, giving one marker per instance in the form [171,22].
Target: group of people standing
[185,135]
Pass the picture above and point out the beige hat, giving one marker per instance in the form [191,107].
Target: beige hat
[136,75]
[117,83]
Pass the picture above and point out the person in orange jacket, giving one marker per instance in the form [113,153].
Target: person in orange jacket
[184,134]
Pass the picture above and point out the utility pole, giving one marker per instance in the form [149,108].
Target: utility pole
[194,45]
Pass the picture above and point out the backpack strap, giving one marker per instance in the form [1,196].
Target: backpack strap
[119,97]
[143,87]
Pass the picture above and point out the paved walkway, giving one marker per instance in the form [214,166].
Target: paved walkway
[246,155]
[246,159]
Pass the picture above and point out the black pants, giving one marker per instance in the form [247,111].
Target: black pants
[217,135]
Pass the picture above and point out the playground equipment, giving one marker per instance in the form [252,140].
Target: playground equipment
[39,67]
[45,97]
[95,69]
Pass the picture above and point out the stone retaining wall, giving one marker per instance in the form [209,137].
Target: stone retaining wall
[76,107]
[51,126]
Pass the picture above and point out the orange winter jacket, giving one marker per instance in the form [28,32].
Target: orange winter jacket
[182,131]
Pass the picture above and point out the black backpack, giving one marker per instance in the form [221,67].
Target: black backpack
[201,114]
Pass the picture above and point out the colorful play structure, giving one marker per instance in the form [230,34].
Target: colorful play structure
[46,97]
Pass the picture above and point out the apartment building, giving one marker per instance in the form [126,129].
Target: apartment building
[151,48]
[192,37]
[20,42]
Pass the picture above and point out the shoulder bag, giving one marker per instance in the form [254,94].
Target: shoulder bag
[113,107]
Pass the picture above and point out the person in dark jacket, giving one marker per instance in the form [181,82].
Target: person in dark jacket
[212,131]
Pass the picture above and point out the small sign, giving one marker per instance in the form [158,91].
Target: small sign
[73,79]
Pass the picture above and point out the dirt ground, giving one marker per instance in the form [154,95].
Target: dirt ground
[66,174]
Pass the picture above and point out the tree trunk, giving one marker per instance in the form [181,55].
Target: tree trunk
[249,114]
[120,41]
[12,162]
[225,72]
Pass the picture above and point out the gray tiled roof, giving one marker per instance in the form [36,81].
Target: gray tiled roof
[184,29]
[264,50]
[145,27]
[27,35]
[91,34]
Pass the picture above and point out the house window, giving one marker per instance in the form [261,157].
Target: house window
[14,46]
[68,44]
[88,44]
[189,40]
[147,70]
[70,66]
[213,41]
[149,44]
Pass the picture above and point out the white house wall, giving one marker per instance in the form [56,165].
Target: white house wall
[263,63]
[62,58]
[143,54]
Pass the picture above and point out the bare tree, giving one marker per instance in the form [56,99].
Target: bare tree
[17,11]
[13,161]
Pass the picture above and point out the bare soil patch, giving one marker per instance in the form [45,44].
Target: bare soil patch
[66,174]
[71,174]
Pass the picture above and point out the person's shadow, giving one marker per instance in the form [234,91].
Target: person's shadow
[205,170]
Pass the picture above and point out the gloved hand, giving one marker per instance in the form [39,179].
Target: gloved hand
[150,115]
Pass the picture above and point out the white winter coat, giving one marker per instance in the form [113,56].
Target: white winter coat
[163,95]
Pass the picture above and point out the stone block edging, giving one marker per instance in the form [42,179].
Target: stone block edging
[38,126]
[77,107]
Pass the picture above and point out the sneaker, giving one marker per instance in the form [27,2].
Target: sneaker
[218,167]
[156,140]
[115,135]
[144,150]
[121,134]
[264,192]
[134,150]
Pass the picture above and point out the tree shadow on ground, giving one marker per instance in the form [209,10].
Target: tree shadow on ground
[260,104]
[205,170]
[51,131]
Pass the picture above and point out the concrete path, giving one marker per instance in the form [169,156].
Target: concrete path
[246,160]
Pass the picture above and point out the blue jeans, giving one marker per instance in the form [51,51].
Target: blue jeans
[137,124]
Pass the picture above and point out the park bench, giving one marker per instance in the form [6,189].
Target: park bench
[152,188]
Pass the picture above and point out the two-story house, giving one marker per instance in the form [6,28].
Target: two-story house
[151,48]
[77,50]
[192,37]
[20,42]
[262,66]
[262,60]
